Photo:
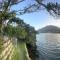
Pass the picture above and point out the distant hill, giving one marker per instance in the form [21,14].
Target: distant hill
[49,29]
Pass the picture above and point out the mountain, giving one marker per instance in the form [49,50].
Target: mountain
[49,29]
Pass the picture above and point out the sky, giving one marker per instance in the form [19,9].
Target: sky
[39,19]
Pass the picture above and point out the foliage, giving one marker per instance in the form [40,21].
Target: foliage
[5,7]
[7,14]
[31,34]
[14,31]
[22,31]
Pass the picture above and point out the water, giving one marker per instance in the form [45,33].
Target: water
[48,45]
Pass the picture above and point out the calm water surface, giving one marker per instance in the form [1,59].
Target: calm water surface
[48,45]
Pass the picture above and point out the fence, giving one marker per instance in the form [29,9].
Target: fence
[7,50]
[10,51]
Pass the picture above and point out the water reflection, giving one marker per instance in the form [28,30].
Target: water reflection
[48,45]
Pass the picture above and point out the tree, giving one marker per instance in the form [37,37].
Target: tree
[7,13]
[17,31]
[22,31]
[7,4]
[52,8]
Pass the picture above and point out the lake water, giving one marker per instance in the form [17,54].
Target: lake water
[48,45]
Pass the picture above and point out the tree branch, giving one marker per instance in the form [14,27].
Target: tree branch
[16,2]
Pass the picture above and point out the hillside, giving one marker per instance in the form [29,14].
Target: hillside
[49,29]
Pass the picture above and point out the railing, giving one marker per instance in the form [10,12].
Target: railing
[7,50]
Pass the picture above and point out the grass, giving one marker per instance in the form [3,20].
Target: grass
[20,52]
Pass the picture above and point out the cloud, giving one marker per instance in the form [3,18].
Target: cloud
[55,22]
[49,21]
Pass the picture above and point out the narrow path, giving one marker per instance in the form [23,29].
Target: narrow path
[21,52]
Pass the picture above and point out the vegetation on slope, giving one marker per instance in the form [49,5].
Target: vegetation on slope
[49,29]
[22,32]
